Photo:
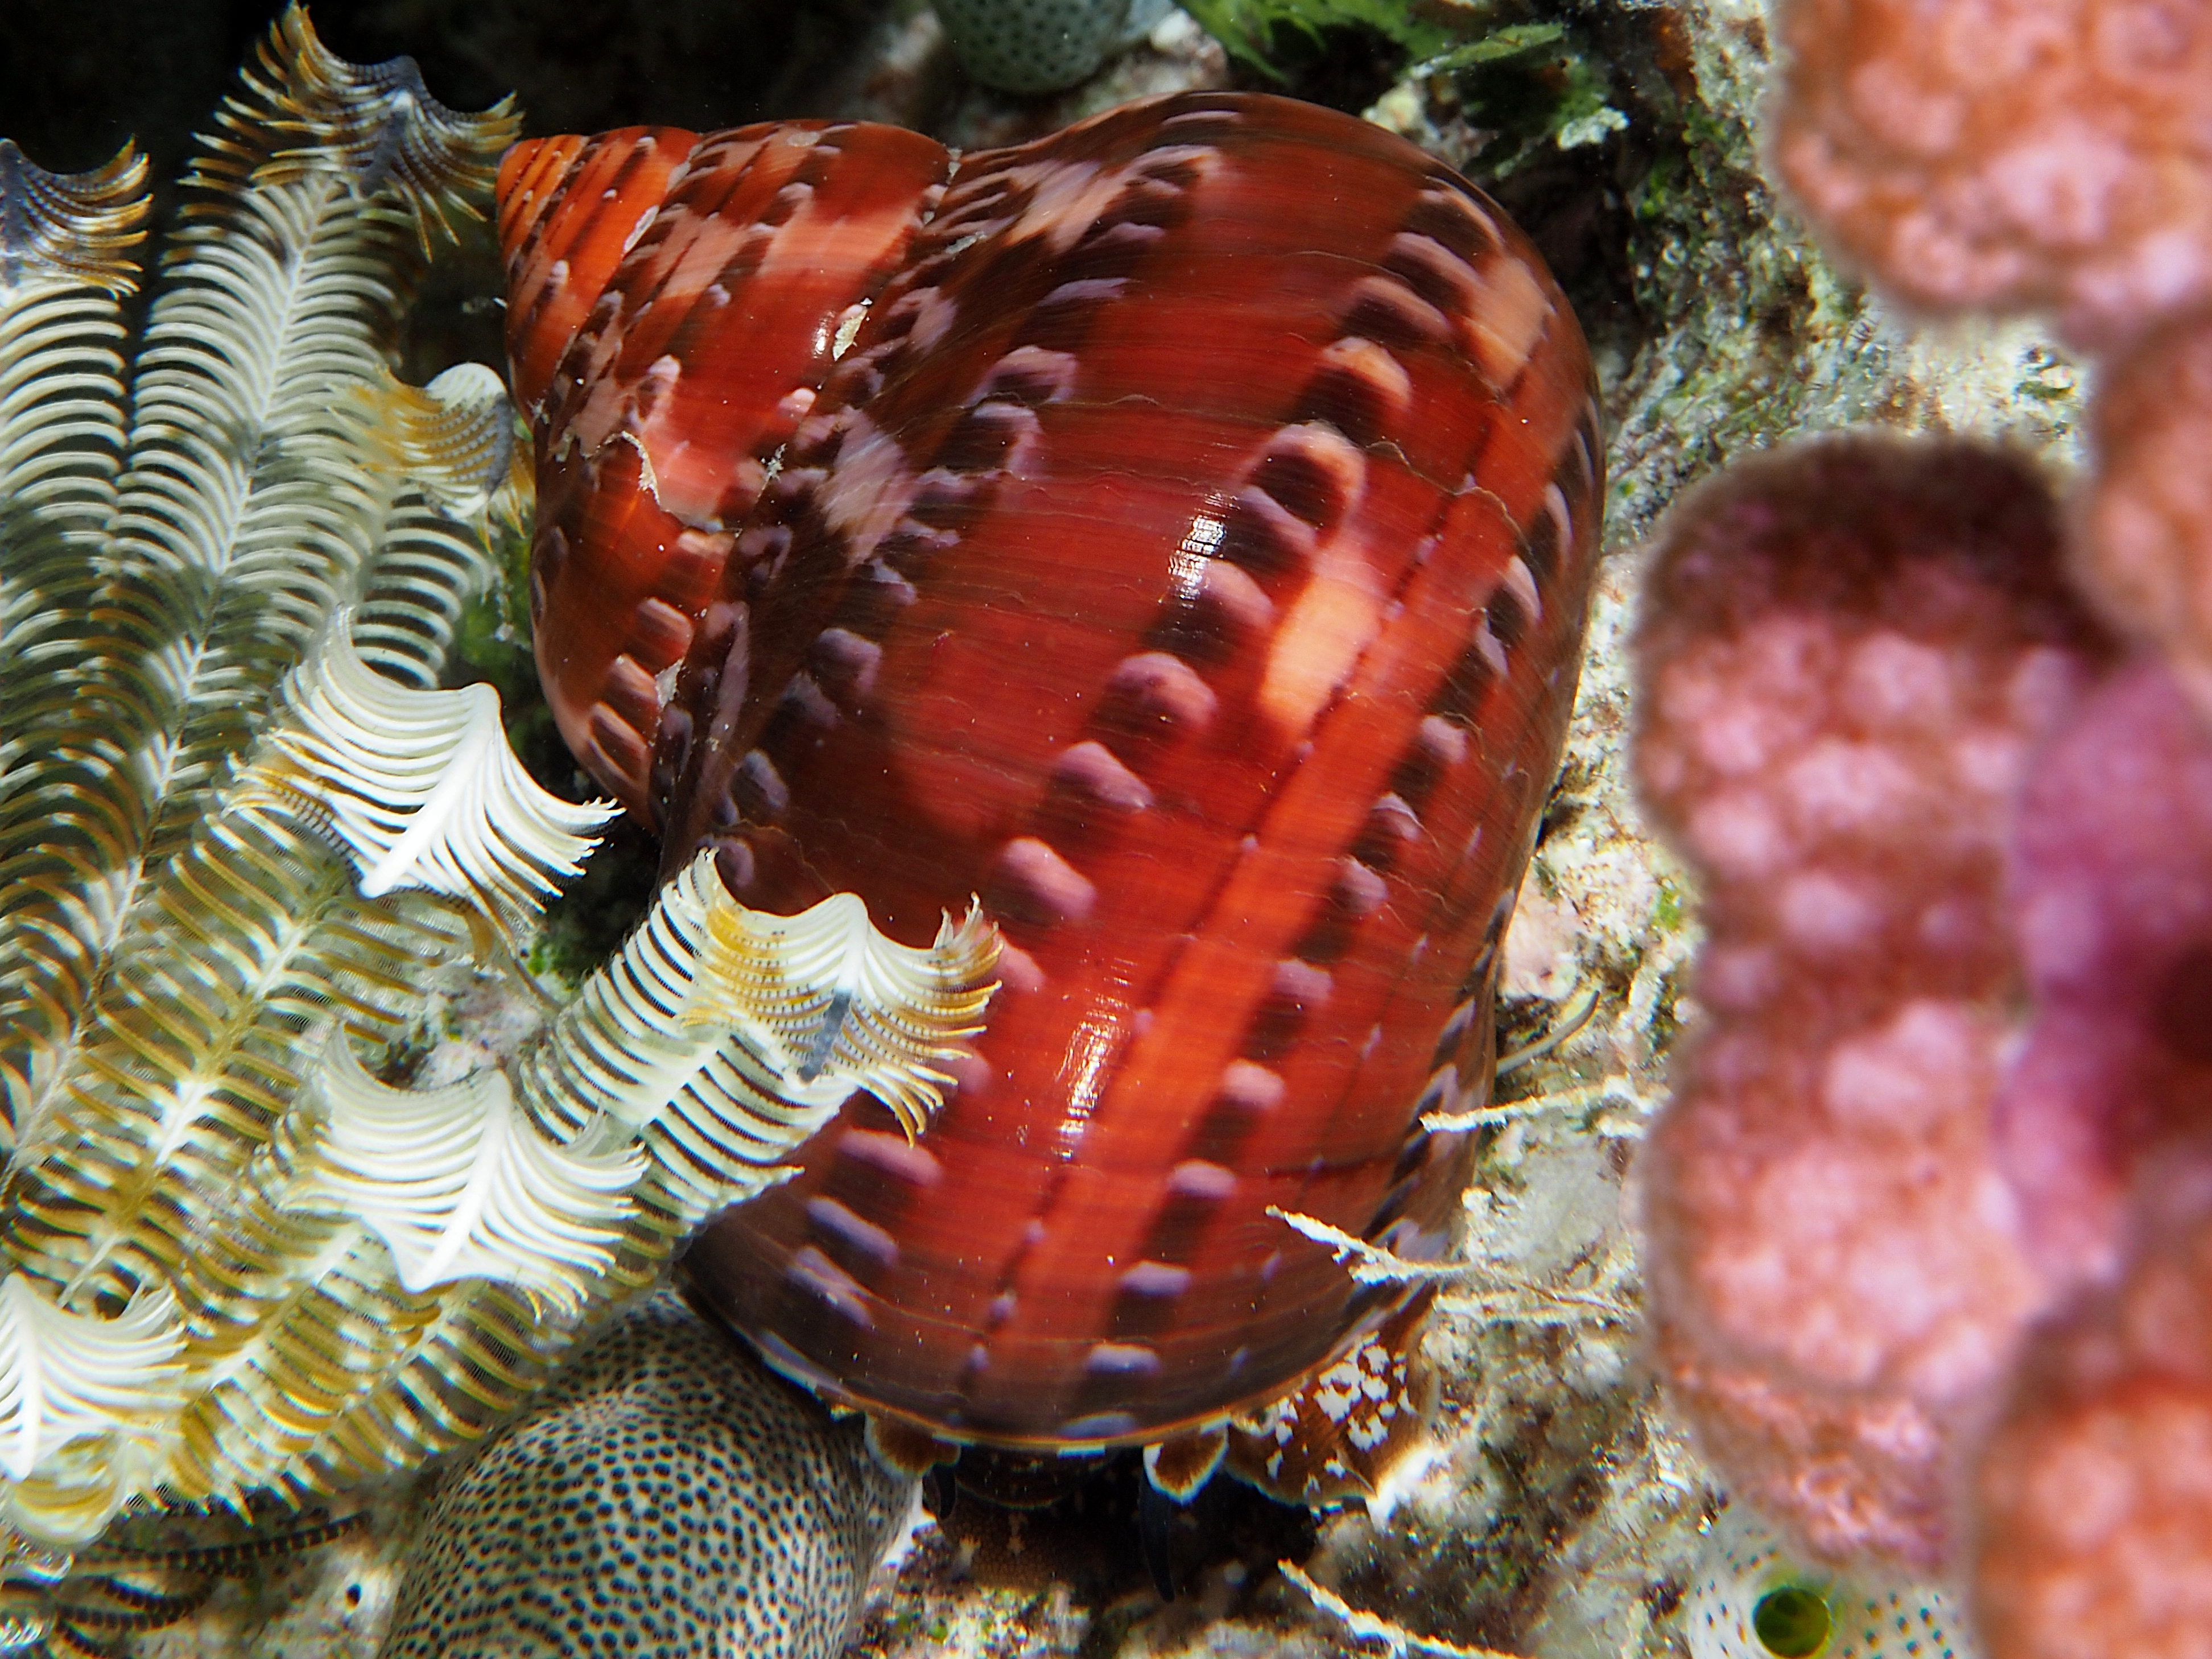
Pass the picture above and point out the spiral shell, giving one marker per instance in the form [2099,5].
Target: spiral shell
[1176,532]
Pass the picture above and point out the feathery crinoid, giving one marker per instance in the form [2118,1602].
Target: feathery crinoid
[68,255]
[244,514]
[242,830]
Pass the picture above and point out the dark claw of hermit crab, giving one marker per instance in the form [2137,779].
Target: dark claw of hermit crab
[666,1494]
[940,1490]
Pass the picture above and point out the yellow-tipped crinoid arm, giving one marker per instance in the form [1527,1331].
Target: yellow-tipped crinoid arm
[65,1375]
[86,1403]
[834,1005]
[146,617]
[68,253]
[306,109]
[465,479]
[225,873]
[420,787]
[71,229]
[255,486]
[725,1037]
[400,1265]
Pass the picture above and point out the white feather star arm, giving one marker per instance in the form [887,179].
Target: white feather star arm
[250,940]
[398,1268]
[622,1052]
[63,1375]
[834,1005]
[459,1184]
[454,441]
[72,230]
[68,247]
[66,255]
[376,122]
[420,789]
[220,880]
[86,1408]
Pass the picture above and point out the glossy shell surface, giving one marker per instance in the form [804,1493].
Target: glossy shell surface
[1188,554]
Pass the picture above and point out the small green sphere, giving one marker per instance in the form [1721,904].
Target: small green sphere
[1791,1622]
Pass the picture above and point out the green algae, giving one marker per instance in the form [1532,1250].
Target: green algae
[1255,31]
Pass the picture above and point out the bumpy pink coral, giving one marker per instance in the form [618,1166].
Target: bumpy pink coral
[1849,651]
[1957,867]
[1834,1274]
[2111,884]
[2052,155]
[2095,1493]
[2145,554]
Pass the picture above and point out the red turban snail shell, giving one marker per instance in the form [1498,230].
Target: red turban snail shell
[1176,530]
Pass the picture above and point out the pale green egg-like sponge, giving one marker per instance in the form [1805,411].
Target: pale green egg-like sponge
[1041,46]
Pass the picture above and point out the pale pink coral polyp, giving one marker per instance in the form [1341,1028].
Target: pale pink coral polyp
[1838,787]
[1890,681]
[1905,1077]
[2051,156]
[1739,833]
[2146,553]
[1822,913]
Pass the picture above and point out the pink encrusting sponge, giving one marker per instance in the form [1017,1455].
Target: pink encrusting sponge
[1849,652]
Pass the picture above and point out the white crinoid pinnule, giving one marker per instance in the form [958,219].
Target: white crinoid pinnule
[244,833]
[65,1375]
[458,1184]
[419,787]
[838,1006]
[87,1403]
